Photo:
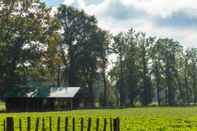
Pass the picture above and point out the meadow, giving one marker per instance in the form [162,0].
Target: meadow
[131,119]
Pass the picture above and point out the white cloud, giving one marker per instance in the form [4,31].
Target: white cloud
[69,2]
[151,8]
[163,8]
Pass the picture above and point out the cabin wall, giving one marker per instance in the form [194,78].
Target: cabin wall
[37,104]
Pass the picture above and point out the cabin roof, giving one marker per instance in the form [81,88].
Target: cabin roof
[68,92]
[55,92]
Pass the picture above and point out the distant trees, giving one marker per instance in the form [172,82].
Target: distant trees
[154,70]
[39,51]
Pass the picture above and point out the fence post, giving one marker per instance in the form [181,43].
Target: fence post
[50,123]
[28,123]
[10,124]
[97,124]
[58,124]
[66,124]
[111,124]
[105,124]
[4,125]
[20,125]
[89,124]
[37,124]
[116,124]
[43,124]
[82,123]
[73,124]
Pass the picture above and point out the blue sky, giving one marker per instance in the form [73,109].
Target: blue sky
[163,18]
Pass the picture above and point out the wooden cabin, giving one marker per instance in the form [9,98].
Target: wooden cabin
[58,99]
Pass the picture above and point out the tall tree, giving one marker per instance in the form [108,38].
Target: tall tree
[170,51]
[145,44]
[192,70]
[157,70]
[119,48]
[22,43]
[132,62]
[81,47]
[126,70]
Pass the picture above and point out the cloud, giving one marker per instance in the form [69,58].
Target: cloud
[69,2]
[163,18]
[163,8]
[178,19]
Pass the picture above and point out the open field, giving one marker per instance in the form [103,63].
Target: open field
[132,119]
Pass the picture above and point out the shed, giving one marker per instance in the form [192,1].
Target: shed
[58,98]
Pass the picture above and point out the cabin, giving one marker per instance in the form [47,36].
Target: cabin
[57,99]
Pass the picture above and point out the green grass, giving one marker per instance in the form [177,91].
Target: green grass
[132,119]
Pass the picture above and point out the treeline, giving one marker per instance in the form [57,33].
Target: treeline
[40,49]
[150,69]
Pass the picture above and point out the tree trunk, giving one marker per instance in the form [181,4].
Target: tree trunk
[105,89]
[121,84]
[158,94]
[59,76]
[91,93]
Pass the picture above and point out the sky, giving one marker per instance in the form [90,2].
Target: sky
[175,19]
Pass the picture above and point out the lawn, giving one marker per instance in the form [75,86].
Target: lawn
[131,119]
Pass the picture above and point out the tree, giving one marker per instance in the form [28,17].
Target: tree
[132,67]
[157,69]
[104,39]
[119,48]
[81,47]
[191,68]
[170,50]
[144,56]
[22,43]
[126,70]
[8,6]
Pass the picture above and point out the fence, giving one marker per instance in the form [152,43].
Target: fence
[39,124]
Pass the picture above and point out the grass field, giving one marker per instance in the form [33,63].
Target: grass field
[132,119]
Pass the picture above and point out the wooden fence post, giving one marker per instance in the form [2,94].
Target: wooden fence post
[50,123]
[89,124]
[10,124]
[73,124]
[58,124]
[37,124]
[111,124]
[116,124]
[82,122]
[20,125]
[28,123]
[97,124]
[43,124]
[4,125]
[66,124]
[105,124]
